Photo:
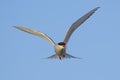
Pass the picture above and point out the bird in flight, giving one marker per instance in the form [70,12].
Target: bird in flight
[60,48]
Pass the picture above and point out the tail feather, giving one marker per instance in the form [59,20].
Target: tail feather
[55,56]
[70,56]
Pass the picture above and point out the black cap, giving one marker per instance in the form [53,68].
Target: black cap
[61,43]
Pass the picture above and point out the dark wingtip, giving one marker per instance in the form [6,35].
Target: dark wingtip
[16,26]
[97,8]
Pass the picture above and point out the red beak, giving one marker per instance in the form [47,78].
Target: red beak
[64,46]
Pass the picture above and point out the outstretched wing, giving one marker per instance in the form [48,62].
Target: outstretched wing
[37,33]
[76,24]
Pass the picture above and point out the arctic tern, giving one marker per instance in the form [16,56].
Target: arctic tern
[60,48]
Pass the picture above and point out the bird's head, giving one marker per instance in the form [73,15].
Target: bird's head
[62,44]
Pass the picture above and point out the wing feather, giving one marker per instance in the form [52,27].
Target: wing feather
[37,33]
[76,24]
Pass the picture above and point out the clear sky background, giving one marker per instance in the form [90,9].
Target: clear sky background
[97,41]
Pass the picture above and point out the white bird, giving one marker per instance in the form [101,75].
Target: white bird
[60,48]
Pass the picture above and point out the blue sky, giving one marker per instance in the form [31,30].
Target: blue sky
[97,41]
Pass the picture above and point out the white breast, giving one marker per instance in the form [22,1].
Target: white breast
[59,50]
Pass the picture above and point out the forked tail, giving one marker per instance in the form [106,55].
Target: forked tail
[55,56]
[70,56]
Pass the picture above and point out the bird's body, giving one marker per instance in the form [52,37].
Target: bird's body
[60,48]
[60,51]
